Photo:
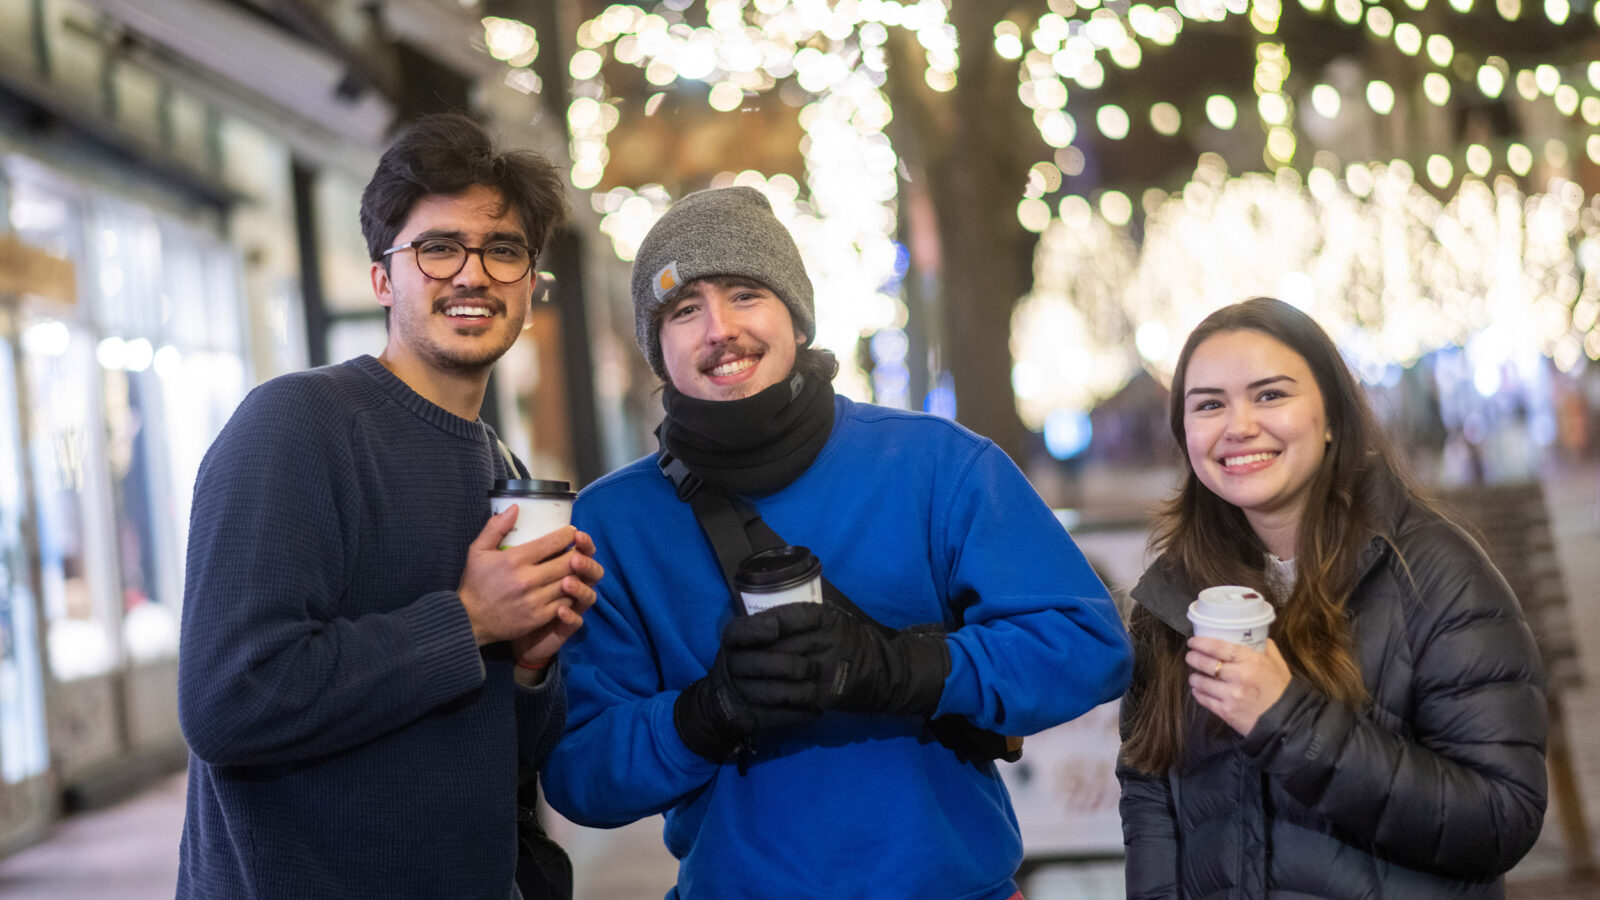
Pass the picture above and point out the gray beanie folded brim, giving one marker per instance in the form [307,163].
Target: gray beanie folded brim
[723,231]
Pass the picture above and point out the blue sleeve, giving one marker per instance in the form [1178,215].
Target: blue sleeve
[621,758]
[269,671]
[1040,642]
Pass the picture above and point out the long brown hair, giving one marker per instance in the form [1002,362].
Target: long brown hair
[1206,541]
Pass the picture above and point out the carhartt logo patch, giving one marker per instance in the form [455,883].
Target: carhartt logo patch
[666,280]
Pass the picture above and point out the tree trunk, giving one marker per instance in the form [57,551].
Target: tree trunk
[975,145]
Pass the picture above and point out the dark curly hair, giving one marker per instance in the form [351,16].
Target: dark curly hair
[447,153]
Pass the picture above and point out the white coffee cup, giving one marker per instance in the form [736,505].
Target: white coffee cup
[778,576]
[1232,613]
[543,507]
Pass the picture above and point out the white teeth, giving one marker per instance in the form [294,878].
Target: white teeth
[466,311]
[1244,460]
[734,366]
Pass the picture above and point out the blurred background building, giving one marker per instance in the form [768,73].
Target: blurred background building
[1013,213]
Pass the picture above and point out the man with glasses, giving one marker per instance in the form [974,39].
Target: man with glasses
[364,675]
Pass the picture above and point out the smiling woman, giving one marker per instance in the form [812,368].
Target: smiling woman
[1389,739]
[1255,429]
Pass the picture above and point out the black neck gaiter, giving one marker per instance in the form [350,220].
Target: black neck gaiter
[753,445]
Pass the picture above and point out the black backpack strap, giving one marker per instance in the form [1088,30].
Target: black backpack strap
[756,536]
[723,517]
[762,534]
[685,482]
[726,525]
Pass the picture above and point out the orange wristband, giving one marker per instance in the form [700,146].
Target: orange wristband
[539,668]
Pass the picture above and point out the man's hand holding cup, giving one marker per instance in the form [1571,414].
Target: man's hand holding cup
[530,584]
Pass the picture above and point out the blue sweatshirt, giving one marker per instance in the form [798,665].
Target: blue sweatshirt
[915,519]
[348,736]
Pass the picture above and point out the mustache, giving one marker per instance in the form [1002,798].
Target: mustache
[480,297]
[733,350]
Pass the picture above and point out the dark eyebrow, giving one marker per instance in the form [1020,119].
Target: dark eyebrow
[513,237]
[1259,383]
[1269,380]
[438,233]
[680,295]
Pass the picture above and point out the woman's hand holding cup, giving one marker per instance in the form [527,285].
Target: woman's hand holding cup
[1234,682]
[1238,671]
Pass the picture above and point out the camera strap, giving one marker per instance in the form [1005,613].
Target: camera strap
[512,469]
[736,531]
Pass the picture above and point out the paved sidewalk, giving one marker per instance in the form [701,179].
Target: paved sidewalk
[130,851]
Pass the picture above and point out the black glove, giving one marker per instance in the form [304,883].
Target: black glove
[749,689]
[863,666]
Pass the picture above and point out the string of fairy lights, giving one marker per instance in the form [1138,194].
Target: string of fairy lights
[1390,269]
[1392,255]
[1387,267]
[845,215]
[1065,49]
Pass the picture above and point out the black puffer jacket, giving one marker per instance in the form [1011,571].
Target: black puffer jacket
[1434,790]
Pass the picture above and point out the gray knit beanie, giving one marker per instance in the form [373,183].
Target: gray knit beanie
[723,231]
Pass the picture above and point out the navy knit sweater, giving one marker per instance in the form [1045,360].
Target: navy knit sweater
[348,736]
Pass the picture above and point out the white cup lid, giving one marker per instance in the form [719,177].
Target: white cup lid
[1230,604]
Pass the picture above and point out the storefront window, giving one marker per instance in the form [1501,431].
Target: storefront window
[131,385]
[23,752]
[198,367]
[77,576]
[71,497]
[129,305]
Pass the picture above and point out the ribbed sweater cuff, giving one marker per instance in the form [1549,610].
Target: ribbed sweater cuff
[442,643]
[554,682]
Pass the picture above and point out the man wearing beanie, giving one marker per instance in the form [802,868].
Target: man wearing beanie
[814,750]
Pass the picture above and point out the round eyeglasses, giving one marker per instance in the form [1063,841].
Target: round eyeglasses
[441,258]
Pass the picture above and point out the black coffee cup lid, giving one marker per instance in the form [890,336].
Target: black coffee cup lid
[530,486]
[778,566]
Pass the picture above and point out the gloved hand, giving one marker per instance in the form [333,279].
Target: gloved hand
[749,689]
[862,666]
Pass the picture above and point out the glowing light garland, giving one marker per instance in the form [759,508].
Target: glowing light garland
[1065,44]
[1373,255]
[845,215]
[1390,270]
